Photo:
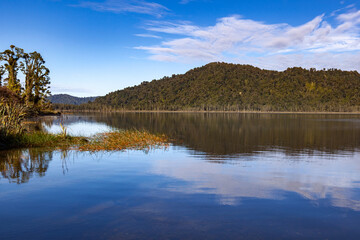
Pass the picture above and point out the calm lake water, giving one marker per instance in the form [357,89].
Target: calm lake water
[225,176]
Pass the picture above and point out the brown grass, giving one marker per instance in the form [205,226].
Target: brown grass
[121,140]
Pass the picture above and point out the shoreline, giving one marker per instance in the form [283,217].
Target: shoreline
[218,111]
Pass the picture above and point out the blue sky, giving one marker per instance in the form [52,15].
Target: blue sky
[93,47]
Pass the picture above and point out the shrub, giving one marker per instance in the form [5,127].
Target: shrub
[11,116]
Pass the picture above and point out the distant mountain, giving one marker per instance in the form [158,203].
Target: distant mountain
[223,86]
[68,99]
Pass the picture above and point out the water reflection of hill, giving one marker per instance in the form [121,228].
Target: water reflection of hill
[228,134]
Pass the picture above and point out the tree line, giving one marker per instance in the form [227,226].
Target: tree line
[34,90]
[234,87]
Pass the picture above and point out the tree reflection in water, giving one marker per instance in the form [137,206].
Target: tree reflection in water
[225,134]
[219,135]
[19,166]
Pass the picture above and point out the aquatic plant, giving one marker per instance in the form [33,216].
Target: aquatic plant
[63,129]
[124,139]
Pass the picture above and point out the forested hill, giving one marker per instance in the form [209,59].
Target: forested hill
[68,99]
[223,86]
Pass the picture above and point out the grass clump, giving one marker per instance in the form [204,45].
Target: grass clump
[42,139]
[126,139]
[111,141]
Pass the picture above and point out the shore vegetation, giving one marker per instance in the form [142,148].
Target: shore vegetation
[110,141]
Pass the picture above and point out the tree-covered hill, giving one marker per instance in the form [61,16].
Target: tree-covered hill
[68,99]
[223,86]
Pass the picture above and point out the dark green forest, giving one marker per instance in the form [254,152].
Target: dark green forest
[234,87]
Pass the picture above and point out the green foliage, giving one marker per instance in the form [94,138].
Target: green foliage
[222,86]
[36,90]
[36,78]
[16,101]
[11,57]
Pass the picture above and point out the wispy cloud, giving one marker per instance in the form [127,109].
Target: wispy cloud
[185,1]
[188,1]
[235,39]
[148,36]
[123,6]
[342,9]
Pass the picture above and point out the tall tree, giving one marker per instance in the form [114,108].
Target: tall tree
[11,57]
[41,85]
[34,70]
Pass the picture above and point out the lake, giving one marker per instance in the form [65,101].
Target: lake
[225,176]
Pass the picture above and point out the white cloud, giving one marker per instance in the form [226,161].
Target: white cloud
[235,39]
[122,6]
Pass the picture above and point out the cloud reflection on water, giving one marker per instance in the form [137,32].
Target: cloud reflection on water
[269,175]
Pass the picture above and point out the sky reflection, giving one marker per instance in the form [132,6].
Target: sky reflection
[85,129]
[268,175]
